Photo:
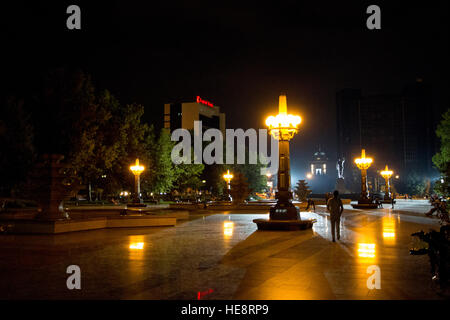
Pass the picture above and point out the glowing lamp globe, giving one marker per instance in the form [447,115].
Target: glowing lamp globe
[283,126]
[363,163]
[387,173]
[137,169]
[228,176]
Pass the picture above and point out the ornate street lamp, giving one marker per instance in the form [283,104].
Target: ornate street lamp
[228,176]
[386,174]
[283,127]
[363,164]
[137,169]
[284,215]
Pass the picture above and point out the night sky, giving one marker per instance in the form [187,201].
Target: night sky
[239,55]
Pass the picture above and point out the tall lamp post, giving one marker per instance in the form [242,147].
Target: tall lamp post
[283,127]
[284,215]
[137,169]
[363,164]
[228,176]
[387,174]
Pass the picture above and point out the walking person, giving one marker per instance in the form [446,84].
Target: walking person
[335,207]
[393,200]
[311,204]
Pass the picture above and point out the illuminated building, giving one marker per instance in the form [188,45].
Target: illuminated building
[183,115]
[321,175]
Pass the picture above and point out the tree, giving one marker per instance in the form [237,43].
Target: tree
[239,188]
[415,184]
[302,190]
[17,151]
[441,160]
[188,176]
[134,139]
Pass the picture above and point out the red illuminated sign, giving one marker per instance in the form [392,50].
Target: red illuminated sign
[201,294]
[200,100]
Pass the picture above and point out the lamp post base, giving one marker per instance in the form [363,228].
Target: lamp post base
[284,211]
[365,203]
[136,204]
[284,216]
[284,225]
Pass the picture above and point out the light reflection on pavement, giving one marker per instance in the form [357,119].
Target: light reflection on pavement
[225,256]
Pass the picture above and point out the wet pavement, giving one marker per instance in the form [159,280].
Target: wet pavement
[223,256]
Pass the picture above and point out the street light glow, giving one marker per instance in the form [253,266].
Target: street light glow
[387,173]
[363,162]
[228,176]
[283,126]
[137,169]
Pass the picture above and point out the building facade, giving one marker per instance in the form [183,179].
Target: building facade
[183,115]
[321,177]
[395,129]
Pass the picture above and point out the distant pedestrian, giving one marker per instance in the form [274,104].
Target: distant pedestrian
[311,204]
[392,201]
[327,196]
[379,203]
[335,207]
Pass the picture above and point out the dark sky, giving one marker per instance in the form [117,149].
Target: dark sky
[239,55]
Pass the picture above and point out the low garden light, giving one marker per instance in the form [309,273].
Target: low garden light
[137,169]
[387,174]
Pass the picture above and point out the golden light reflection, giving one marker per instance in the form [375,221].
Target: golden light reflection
[228,228]
[366,250]
[136,247]
[388,228]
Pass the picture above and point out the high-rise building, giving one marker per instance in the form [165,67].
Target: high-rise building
[183,115]
[395,129]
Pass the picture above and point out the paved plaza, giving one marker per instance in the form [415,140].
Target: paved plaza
[223,256]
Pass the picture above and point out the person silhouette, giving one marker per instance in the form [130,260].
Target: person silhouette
[335,207]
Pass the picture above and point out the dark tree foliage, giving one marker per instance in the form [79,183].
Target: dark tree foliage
[17,151]
[99,137]
[442,159]
[239,188]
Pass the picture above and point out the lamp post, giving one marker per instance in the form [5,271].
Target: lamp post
[228,176]
[363,164]
[137,169]
[386,174]
[283,127]
[284,215]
